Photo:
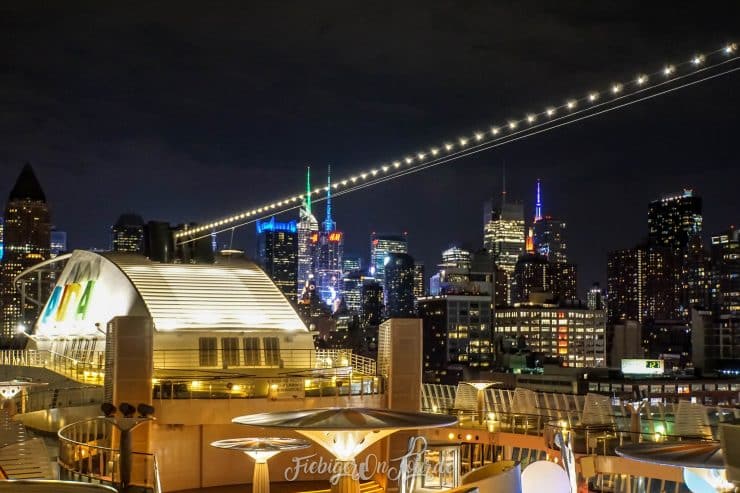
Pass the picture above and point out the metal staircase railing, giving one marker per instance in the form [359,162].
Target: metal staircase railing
[87,453]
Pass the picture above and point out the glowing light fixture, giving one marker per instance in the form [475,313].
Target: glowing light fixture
[261,450]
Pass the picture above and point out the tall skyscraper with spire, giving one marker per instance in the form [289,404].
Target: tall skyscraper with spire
[504,234]
[503,231]
[328,254]
[538,203]
[27,242]
[308,238]
[548,233]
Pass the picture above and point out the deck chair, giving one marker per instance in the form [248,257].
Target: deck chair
[465,401]
[524,410]
[692,421]
[598,418]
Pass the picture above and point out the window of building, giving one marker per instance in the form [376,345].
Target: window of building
[251,351]
[272,350]
[230,349]
[207,353]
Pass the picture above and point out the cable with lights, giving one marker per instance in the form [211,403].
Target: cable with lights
[551,117]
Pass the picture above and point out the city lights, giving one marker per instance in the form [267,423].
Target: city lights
[449,150]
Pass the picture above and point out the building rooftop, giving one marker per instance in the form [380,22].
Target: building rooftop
[27,186]
[236,295]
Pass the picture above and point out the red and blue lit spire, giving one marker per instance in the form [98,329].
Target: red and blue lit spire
[538,204]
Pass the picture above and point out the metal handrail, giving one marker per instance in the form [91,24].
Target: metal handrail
[251,386]
[81,371]
[157,481]
[81,455]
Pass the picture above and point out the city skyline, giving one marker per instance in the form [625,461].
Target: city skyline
[598,176]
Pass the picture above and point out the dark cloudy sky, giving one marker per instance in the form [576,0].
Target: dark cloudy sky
[186,111]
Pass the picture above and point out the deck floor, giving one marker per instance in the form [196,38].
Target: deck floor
[282,487]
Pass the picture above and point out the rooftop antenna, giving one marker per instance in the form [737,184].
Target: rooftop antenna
[308,191]
[538,204]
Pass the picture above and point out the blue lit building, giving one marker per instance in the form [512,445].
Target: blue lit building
[277,252]
[58,243]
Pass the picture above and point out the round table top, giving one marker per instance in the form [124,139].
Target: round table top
[346,418]
[700,454]
[270,444]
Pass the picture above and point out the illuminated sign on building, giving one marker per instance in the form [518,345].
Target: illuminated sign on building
[69,302]
[335,237]
[642,366]
[70,299]
[272,225]
[314,237]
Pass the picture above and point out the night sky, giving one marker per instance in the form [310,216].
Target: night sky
[188,112]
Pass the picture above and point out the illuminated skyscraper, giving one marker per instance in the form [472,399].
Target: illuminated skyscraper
[595,298]
[695,276]
[535,274]
[27,242]
[548,233]
[419,284]
[308,238]
[673,219]
[127,235]
[641,284]
[725,266]
[456,257]
[574,334]
[2,241]
[58,243]
[277,251]
[371,303]
[328,253]
[456,331]
[531,275]
[503,234]
[380,246]
[399,285]
[350,264]
[352,290]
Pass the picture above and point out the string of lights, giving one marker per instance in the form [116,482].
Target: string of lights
[616,95]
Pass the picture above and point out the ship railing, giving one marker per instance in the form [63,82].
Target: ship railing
[313,383]
[89,369]
[246,359]
[87,453]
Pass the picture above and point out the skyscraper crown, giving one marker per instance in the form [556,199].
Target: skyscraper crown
[27,186]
